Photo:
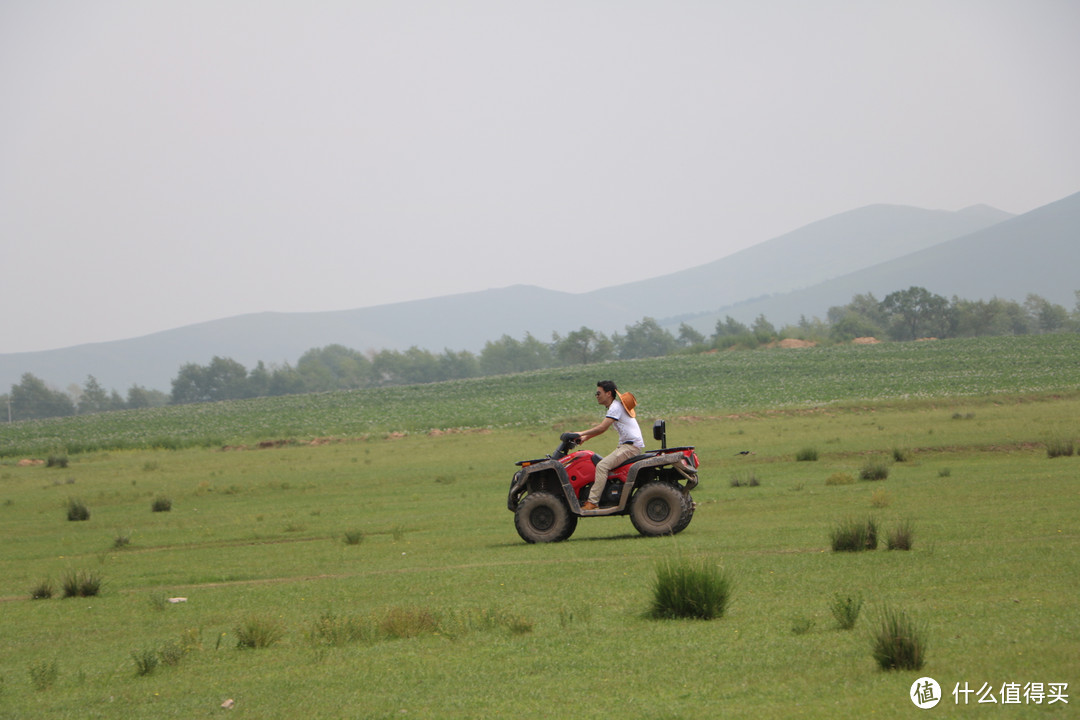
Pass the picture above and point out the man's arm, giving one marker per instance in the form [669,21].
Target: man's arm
[597,430]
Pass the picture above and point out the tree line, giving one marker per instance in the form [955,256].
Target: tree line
[902,315]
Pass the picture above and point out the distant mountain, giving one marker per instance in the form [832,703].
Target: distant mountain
[805,258]
[1038,252]
[817,252]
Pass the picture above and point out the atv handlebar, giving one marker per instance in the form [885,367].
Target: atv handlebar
[568,440]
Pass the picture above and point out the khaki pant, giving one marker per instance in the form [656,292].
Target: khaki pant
[621,454]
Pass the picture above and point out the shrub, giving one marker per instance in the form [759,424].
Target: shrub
[807,455]
[161,504]
[57,461]
[42,591]
[146,661]
[840,478]
[77,510]
[845,609]
[874,470]
[81,584]
[686,589]
[1059,447]
[258,632]
[881,499]
[900,537]
[854,535]
[944,472]
[121,541]
[172,652]
[898,643]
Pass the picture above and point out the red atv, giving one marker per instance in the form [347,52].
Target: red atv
[653,488]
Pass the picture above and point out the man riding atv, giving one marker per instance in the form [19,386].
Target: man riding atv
[620,413]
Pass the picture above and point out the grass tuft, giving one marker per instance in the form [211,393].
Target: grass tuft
[900,537]
[81,584]
[43,674]
[336,630]
[402,622]
[845,610]
[258,631]
[77,510]
[688,589]
[854,535]
[42,591]
[881,498]
[161,504]
[745,479]
[874,470]
[354,537]
[898,642]
[807,455]
[840,478]
[146,661]
[1060,447]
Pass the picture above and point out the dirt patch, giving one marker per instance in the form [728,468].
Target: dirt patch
[865,341]
[459,431]
[796,343]
[29,462]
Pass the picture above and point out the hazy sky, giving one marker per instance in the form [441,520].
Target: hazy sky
[165,163]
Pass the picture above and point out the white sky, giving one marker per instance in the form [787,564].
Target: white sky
[165,163]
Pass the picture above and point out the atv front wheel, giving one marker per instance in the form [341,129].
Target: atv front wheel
[660,507]
[543,517]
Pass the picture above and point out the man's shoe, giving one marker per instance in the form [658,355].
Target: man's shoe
[588,506]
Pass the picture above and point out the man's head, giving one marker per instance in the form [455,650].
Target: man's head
[606,392]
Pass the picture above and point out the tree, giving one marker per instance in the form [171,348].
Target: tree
[507,355]
[457,366]
[646,339]
[334,367]
[31,399]
[222,379]
[93,398]
[285,380]
[763,330]
[729,327]
[916,313]
[1046,317]
[689,337]
[140,397]
[584,346]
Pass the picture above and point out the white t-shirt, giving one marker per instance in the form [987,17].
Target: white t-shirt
[629,431]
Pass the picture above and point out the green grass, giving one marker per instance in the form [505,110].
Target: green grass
[442,612]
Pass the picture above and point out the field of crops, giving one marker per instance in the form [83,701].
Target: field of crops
[711,384]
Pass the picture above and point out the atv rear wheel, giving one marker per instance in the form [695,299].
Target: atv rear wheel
[660,507]
[543,517]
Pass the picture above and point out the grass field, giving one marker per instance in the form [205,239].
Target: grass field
[381,567]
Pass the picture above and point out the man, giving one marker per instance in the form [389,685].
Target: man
[630,440]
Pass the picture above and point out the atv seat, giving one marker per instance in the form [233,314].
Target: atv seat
[634,459]
[597,458]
